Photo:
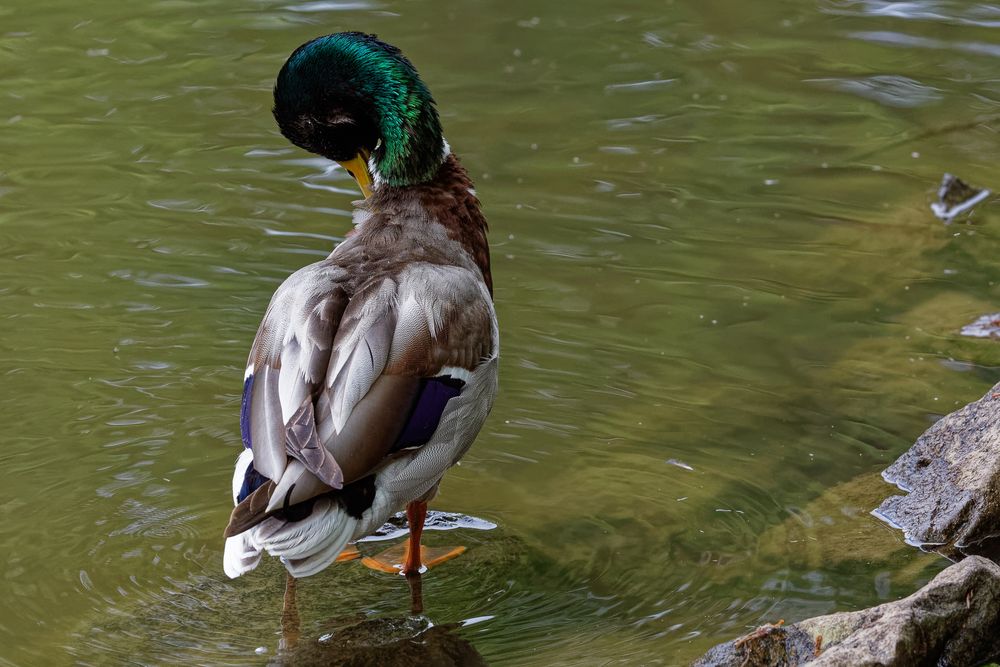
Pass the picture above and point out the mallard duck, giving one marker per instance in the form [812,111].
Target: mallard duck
[374,369]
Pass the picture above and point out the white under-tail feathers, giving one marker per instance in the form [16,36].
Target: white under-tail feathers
[308,546]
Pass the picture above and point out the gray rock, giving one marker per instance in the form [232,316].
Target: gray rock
[952,479]
[772,645]
[952,621]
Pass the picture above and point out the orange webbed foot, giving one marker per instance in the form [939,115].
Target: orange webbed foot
[350,552]
[393,560]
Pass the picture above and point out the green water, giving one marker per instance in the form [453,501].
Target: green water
[711,245]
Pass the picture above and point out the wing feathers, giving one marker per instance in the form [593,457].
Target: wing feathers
[293,387]
[365,364]
[303,444]
[374,425]
[267,428]
[333,385]
[450,325]
[289,358]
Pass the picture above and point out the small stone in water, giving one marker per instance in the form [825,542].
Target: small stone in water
[955,196]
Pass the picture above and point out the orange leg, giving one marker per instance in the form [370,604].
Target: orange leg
[416,512]
[411,558]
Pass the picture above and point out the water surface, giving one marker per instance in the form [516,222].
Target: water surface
[724,302]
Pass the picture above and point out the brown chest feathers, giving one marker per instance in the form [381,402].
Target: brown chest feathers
[448,200]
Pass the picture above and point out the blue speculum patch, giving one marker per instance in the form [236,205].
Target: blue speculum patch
[252,481]
[427,409]
[245,411]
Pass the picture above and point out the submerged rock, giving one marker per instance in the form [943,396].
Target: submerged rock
[387,642]
[836,530]
[954,620]
[952,479]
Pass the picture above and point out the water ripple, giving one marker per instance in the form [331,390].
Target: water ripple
[890,90]
[959,13]
[904,40]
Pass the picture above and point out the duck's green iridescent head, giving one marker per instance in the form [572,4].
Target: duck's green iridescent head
[348,96]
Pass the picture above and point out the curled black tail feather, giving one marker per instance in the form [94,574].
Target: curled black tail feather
[356,497]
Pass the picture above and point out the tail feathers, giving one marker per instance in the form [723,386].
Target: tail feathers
[240,556]
[251,512]
[303,538]
[305,547]
[311,555]
[296,487]
[312,542]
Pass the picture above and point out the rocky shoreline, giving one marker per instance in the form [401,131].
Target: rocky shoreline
[951,505]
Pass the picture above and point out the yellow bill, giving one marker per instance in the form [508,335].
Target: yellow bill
[357,167]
